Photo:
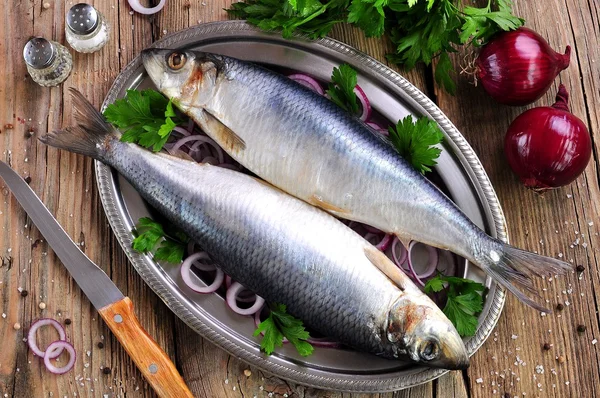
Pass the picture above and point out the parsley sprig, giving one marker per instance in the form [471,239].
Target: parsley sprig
[420,30]
[464,301]
[280,324]
[145,117]
[152,237]
[416,141]
[341,88]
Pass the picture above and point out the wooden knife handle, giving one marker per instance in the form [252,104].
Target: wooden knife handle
[150,359]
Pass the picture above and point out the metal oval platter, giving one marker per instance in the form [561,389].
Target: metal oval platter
[393,98]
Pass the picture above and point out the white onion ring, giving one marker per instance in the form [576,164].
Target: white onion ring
[195,260]
[185,275]
[59,346]
[137,7]
[181,130]
[230,298]
[364,103]
[403,252]
[307,81]
[378,128]
[385,242]
[32,338]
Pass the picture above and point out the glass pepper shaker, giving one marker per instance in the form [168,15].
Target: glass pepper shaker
[48,62]
[86,29]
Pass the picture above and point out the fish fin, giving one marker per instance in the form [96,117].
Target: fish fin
[513,268]
[315,200]
[385,265]
[224,136]
[91,134]
[404,240]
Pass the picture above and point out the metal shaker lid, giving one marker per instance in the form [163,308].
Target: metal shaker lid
[82,19]
[39,52]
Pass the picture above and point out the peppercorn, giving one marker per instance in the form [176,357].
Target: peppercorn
[507,395]
[100,345]
[24,293]
[8,126]
[547,346]
[559,307]
[580,268]
[581,329]
[27,179]
[67,321]
[106,371]
[561,359]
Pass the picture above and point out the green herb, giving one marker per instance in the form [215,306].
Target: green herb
[145,117]
[464,301]
[341,88]
[416,141]
[280,324]
[420,30]
[151,237]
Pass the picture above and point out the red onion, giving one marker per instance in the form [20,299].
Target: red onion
[195,260]
[323,342]
[548,147]
[385,242]
[518,67]
[378,128]
[307,81]
[32,337]
[365,105]
[137,7]
[432,260]
[399,259]
[59,346]
[185,275]
[230,298]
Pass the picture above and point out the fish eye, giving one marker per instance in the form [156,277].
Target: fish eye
[176,60]
[429,351]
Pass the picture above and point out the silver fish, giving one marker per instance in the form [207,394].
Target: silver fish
[307,146]
[279,247]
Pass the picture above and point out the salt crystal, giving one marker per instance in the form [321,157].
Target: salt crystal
[594,341]
[591,223]
[514,337]
[479,380]
[539,369]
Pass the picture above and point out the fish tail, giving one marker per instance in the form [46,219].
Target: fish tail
[513,269]
[89,136]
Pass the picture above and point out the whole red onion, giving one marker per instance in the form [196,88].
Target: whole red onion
[548,147]
[518,67]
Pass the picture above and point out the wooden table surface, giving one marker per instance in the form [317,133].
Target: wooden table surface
[563,222]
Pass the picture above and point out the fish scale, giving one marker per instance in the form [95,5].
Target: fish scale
[280,247]
[312,149]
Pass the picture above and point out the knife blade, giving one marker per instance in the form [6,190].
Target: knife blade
[105,296]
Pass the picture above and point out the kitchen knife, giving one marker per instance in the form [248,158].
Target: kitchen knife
[115,309]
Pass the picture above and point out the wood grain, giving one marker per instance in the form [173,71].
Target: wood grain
[156,366]
[66,184]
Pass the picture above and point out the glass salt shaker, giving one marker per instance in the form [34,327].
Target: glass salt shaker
[48,62]
[86,29]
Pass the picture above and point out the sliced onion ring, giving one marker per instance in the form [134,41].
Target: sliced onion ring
[138,7]
[195,259]
[432,262]
[399,259]
[364,103]
[323,342]
[59,346]
[185,275]
[32,338]
[378,128]
[307,81]
[385,242]
[230,298]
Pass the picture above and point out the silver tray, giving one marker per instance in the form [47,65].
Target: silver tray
[393,97]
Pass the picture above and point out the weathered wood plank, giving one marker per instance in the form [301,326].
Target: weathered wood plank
[66,184]
[550,224]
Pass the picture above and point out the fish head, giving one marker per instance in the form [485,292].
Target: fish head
[189,78]
[418,329]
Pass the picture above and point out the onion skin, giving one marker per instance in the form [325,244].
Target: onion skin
[548,147]
[517,67]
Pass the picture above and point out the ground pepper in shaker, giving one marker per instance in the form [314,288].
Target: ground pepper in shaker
[86,29]
[48,62]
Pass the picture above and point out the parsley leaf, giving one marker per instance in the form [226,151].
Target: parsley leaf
[280,324]
[416,142]
[151,237]
[420,30]
[341,88]
[464,301]
[145,117]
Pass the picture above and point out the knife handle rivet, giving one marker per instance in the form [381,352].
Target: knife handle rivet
[118,318]
[153,368]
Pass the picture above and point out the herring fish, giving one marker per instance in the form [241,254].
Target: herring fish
[279,247]
[307,146]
